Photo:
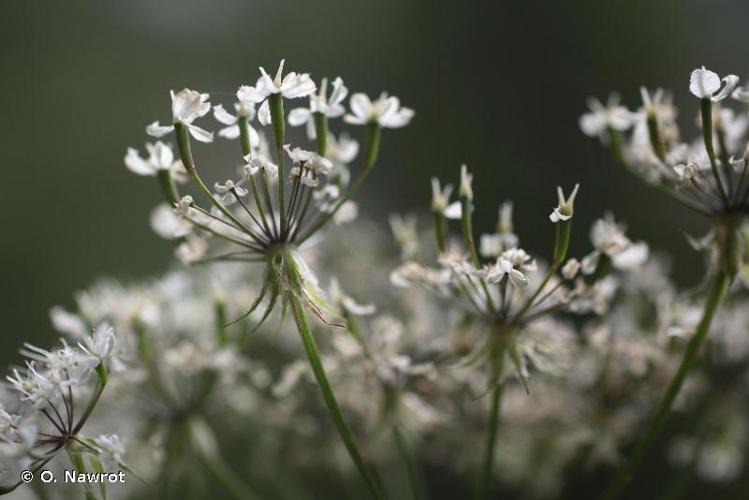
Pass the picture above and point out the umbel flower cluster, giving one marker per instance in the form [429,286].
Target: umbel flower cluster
[443,360]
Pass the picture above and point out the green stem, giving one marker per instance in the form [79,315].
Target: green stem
[310,346]
[655,137]
[167,186]
[321,132]
[222,336]
[374,132]
[706,109]
[440,230]
[246,143]
[183,144]
[416,481]
[101,372]
[466,226]
[228,478]
[275,104]
[77,460]
[617,484]
[484,486]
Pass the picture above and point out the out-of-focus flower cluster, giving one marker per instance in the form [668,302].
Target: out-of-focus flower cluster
[593,374]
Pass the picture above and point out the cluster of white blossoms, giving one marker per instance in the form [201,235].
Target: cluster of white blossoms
[187,383]
[267,211]
[707,175]
[550,365]
[48,403]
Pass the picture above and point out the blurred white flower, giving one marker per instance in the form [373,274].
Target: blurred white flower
[385,111]
[704,84]
[231,131]
[187,106]
[291,86]
[331,107]
[566,207]
[160,157]
[600,118]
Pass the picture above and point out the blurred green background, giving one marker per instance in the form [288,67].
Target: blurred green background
[499,85]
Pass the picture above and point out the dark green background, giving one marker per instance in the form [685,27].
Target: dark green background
[499,85]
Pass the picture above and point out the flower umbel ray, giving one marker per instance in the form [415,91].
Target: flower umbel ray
[269,213]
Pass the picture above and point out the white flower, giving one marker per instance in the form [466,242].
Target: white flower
[502,268]
[255,162]
[231,131]
[520,259]
[100,343]
[346,213]
[320,103]
[17,438]
[493,244]
[440,196]
[111,447]
[187,105]
[454,210]
[570,269]
[327,196]
[229,187]
[309,160]
[632,257]
[704,84]
[741,94]
[66,322]
[600,118]
[512,263]
[166,224]
[405,231]
[160,157]
[608,237]
[305,175]
[685,172]
[183,206]
[566,208]
[385,111]
[191,250]
[343,149]
[466,179]
[505,217]
[291,86]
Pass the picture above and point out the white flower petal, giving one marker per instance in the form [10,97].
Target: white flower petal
[199,134]
[703,83]
[454,210]
[229,132]
[155,129]
[138,165]
[299,116]
[263,114]
[223,116]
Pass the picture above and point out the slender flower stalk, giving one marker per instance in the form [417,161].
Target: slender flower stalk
[500,296]
[310,347]
[485,481]
[274,226]
[681,173]
[624,474]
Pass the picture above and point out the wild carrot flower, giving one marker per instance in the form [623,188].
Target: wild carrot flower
[708,177]
[57,391]
[270,212]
